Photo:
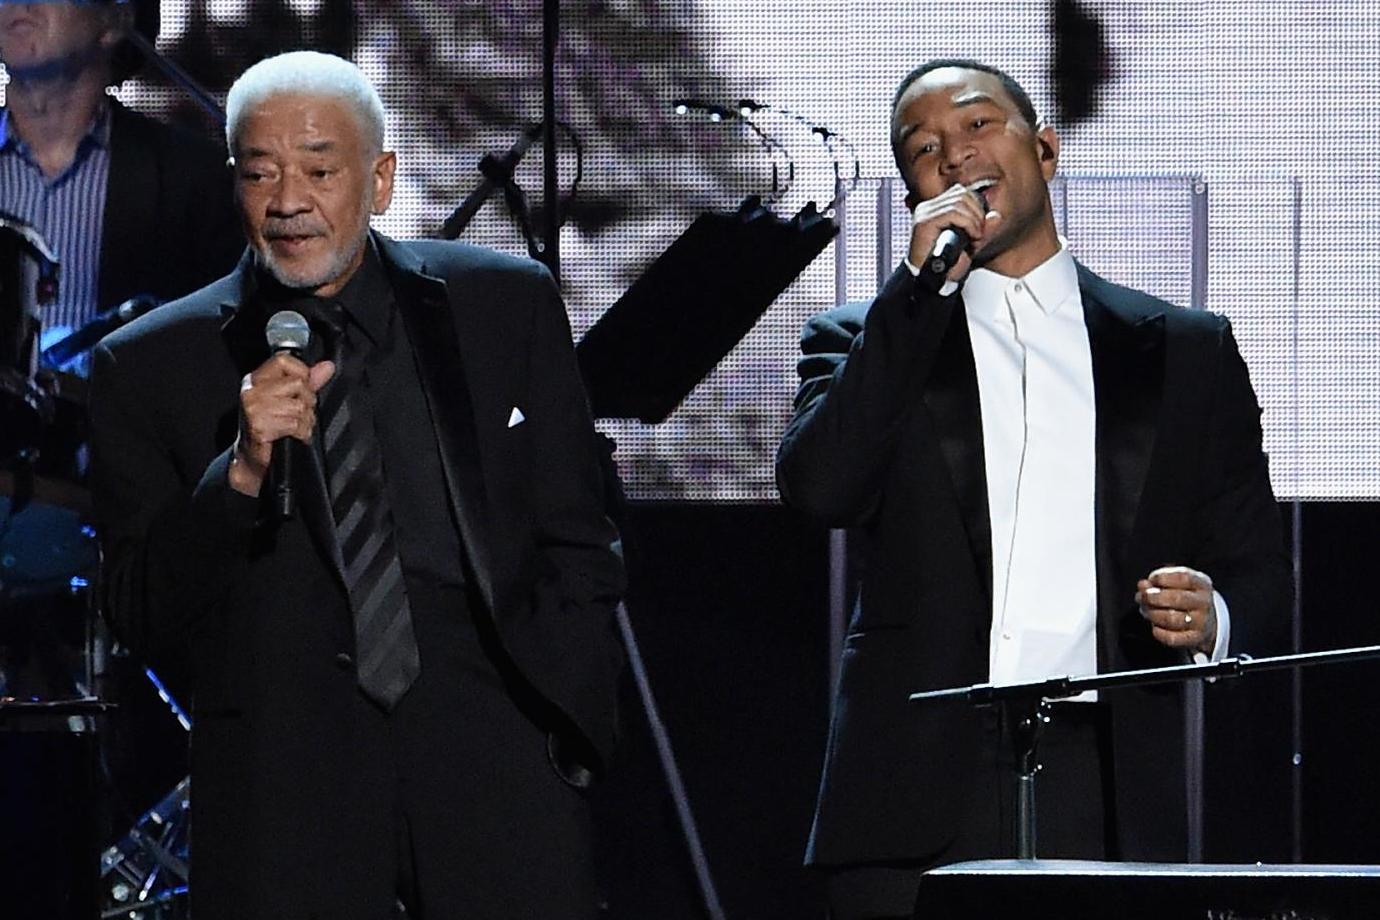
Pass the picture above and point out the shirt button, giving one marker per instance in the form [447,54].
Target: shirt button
[1006,636]
[344,661]
[1019,287]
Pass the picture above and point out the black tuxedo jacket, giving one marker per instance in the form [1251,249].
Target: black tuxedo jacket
[170,224]
[887,438]
[264,610]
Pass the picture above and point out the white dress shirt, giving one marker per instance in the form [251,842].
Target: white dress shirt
[1039,429]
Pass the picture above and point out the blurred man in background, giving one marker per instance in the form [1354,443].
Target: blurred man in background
[129,205]
[132,209]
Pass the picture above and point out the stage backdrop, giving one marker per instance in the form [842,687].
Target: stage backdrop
[1228,162]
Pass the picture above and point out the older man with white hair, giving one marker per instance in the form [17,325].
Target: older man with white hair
[403,684]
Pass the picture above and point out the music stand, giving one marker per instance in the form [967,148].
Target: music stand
[1029,704]
[692,306]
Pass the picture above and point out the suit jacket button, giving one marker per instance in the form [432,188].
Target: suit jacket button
[344,661]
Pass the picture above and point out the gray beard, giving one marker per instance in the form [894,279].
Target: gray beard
[334,268]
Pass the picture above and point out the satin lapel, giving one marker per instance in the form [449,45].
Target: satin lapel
[1128,382]
[951,395]
[431,321]
[242,330]
[244,337]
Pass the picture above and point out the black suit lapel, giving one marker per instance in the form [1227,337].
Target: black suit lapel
[431,321]
[243,328]
[243,333]
[951,394]
[130,208]
[1128,381]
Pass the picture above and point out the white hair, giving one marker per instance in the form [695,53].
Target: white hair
[308,73]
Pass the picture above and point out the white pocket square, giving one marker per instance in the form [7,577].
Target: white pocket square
[516,418]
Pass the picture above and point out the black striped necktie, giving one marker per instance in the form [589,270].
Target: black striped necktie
[386,656]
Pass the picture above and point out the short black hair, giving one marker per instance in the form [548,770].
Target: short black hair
[1013,89]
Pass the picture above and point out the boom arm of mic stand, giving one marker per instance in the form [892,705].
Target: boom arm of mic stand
[498,173]
[460,218]
[177,75]
[517,205]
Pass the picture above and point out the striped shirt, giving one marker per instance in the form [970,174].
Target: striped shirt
[67,211]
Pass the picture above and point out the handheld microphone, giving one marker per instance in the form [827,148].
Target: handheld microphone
[948,246]
[287,333]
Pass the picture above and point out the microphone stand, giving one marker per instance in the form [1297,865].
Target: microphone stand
[1029,705]
[498,174]
[550,252]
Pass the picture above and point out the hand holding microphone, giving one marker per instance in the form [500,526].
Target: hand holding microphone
[277,402]
[944,227]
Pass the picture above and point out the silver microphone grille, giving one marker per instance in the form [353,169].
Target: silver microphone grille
[287,329]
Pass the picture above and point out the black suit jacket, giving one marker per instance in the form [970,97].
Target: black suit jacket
[170,224]
[265,610]
[887,438]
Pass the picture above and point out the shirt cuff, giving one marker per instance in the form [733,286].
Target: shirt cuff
[947,288]
[1219,648]
[227,509]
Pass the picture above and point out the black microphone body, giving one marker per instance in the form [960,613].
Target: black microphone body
[948,246]
[288,334]
[280,466]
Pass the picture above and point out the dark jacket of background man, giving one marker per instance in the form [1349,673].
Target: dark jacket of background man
[170,224]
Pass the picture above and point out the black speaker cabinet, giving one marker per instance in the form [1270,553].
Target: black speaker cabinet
[1074,890]
[49,819]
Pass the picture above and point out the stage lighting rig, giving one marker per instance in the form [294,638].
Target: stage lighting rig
[782,163]
[845,178]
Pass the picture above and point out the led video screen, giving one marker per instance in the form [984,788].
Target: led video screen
[1225,161]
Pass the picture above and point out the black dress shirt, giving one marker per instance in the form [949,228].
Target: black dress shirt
[427,537]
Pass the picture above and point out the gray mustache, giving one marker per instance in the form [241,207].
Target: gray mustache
[277,229]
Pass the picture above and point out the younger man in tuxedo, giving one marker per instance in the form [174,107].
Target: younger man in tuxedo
[1050,475]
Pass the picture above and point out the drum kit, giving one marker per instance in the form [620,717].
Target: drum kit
[59,668]
[48,551]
